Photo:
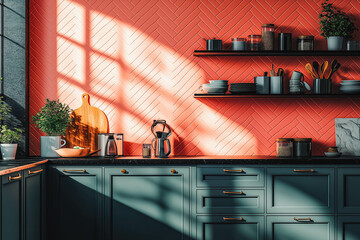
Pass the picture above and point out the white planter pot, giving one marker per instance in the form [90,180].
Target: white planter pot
[8,151]
[335,43]
[49,144]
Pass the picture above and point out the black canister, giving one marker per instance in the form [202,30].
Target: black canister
[213,44]
[285,41]
[302,147]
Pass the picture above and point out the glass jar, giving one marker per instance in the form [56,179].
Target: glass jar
[302,147]
[268,37]
[238,44]
[284,147]
[146,151]
[254,42]
[305,43]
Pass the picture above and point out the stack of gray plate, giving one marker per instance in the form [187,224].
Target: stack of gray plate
[350,86]
[215,86]
[242,88]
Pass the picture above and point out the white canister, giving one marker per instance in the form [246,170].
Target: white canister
[102,140]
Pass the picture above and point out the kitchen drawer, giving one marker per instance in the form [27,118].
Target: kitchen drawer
[300,190]
[348,228]
[348,190]
[230,201]
[230,177]
[300,227]
[230,227]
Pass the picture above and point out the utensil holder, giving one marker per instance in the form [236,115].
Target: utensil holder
[276,85]
[262,85]
[322,86]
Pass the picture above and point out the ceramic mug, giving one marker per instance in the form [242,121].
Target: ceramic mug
[49,144]
[297,75]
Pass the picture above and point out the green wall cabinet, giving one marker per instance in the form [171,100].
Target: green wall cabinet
[75,209]
[348,228]
[23,205]
[147,203]
[230,227]
[348,190]
[300,190]
[300,227]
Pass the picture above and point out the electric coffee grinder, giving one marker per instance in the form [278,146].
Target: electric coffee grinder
[161,131]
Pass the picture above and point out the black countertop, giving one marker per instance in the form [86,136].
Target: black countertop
[202,160]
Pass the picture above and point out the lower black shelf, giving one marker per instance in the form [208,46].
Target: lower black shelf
[226,95]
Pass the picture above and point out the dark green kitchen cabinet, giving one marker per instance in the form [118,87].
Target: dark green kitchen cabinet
[75,203]
[300,190]
[348,190]
[300,227]
[228,227]
[147,203]
[11,206]
[348,228]
[34,203]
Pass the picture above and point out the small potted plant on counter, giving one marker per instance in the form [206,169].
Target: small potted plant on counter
[53,119]
[335,25]
[8,140]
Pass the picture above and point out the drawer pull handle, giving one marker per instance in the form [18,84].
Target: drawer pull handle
[233,219]
[14,178]
[36,171]
[241,192]
[77,170]
[304,170]
[173,171]
[302,219]
[227,170]
[123,171]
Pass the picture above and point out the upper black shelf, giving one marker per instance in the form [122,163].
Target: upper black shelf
[199,53]
[227,95]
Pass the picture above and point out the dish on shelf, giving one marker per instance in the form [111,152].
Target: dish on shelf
[350,89]
[219,82]
[242,88]
[332,154]
[349,83]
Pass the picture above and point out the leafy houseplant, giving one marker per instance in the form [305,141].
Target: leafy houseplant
[8,137]
[53,119]
[335,25]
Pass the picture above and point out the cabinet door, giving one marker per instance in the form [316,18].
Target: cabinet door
[11,215]
[300,190]
[76,209]
[300,227]
[230,227]
[348,228]
[34,203]
[348,193]
[147,203]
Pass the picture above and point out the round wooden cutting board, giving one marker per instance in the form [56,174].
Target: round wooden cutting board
[88,122]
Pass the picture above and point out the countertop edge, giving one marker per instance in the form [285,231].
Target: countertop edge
[22,167]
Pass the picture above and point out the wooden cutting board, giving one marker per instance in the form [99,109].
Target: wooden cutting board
[88,122]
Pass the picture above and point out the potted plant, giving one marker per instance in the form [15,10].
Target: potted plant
[8,142]
[53,119]
[335,25]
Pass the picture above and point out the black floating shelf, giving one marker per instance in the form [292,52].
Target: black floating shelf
[200,53]
[220,95]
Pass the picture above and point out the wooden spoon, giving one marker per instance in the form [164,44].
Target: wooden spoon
[316,68]
[309,69]
[323,68]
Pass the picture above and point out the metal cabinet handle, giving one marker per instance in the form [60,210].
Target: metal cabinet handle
[77,170]
[304,170]
[36,171]
[225,192]
[123,171]
[302,219]
[14,178]
[173,171]
[233,219]
[227,170]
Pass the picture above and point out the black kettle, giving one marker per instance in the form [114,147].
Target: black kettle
[161,141]
[213,44]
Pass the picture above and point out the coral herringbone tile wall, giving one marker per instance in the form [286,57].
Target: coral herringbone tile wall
[135,59]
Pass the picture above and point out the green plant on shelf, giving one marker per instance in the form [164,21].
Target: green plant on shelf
[10,136]
[334,22]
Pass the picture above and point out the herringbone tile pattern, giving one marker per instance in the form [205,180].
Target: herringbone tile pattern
[135,59]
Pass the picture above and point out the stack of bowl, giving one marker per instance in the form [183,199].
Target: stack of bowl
[350,86]
[215,86]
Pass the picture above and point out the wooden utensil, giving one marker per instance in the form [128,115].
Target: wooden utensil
[272,72]
[316,68]
[323,68]
[88,122]
[333,70]
[280,72]
[309,69]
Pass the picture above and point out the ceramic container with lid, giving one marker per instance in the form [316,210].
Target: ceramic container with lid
[254,42]
[238,44]
[302,147]
[305,43]
[267,36]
